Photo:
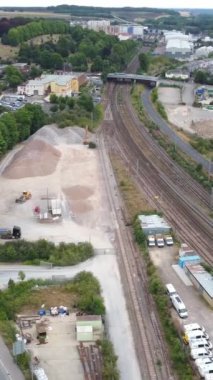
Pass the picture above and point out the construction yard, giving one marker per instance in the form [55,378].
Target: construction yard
[54,164]
[185,116]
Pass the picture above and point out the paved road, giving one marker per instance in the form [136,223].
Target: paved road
[8,369]
[186,148]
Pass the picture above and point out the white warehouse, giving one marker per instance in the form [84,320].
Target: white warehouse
[178,48]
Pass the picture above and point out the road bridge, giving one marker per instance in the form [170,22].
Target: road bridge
[132,78]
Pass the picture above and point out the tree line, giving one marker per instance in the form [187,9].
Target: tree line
[81,49]
[33,252]
[7,23]
[23,33]
[19,125]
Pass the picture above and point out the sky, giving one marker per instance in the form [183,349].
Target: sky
[112,3]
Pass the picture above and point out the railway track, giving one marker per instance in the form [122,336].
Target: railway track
[183,205]
[148,338]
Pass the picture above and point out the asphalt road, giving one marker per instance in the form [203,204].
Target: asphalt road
[8,368]
[186,148]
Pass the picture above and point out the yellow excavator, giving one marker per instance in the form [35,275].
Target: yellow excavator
[25,196]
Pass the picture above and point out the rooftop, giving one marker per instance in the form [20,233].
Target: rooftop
[178,43]
[153,221]
[88,318]
[204,278]
[59,79]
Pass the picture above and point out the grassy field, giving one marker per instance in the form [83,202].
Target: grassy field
[35,14]
[7,51]
[44,38]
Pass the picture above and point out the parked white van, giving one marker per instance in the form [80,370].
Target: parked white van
[208,376]
[196,334]
[179,306]
[193,327]
[171,291]
[197,343]
[203,361]
[207,369]
[200,353]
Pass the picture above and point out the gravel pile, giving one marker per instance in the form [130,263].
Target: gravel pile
[37,158]
[53,135]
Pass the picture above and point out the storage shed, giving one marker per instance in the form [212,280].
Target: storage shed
[153,224]
[84,333]
[89,327]
[202,280]
[188,260]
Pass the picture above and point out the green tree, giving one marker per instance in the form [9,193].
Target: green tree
[23,121]
[21,275]
[200,77]
[144,61]
[9,121]
[13,76]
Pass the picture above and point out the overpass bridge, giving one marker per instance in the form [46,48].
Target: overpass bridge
[132,78]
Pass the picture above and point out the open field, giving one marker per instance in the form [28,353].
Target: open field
[44,38]
[7,51]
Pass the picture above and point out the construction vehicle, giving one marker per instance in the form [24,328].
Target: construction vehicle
[8,233]
[26,195]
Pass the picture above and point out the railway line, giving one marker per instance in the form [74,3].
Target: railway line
[148,338]
[182,202]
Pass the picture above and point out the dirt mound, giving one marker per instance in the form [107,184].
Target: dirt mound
[37,158]
[78,192]
[55,136]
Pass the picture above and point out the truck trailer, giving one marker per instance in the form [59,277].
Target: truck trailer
[10,233]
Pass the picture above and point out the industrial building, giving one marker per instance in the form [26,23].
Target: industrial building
[202,280]
[61,85]
[178,48]
[177,74]
[153,224]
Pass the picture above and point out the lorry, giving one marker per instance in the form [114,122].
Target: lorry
[25,196]
[159,240]
[10,233]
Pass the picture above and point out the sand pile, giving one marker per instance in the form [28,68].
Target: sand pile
[37,158]
[53,135]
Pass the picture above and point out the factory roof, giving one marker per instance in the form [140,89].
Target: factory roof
[153,221]
[204,278]
[178,44]
[59,79]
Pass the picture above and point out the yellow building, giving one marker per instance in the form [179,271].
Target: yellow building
[61,85]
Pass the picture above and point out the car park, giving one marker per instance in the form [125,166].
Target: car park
[200,353]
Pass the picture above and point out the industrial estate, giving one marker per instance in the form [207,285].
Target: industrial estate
[106,233]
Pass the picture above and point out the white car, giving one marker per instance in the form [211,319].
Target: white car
[207,369]
[169,240]
[200,353]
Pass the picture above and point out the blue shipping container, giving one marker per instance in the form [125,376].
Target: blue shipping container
[188,259]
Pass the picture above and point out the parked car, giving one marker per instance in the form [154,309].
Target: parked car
[197,343]
[200,353]
[193,327]
[179,306]
[170,290]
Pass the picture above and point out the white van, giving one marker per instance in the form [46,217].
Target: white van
[179,306]
[203,361]
[208,376]
[207,369]
[196,334]
[197,343]
[170,290]
[200,353]
[168,240]
[193,327]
